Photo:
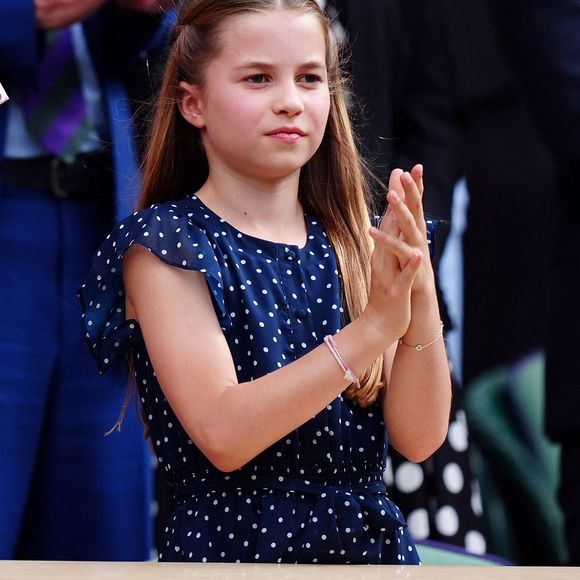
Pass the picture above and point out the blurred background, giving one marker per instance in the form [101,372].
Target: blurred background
[486,95]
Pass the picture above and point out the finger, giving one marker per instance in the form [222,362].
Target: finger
[393,246]
[386,216]
[383,261]
[395,182]
[390,226]
[389,223]
[409,272]
[417,175]
[414,200]
[406,221]
[413,197]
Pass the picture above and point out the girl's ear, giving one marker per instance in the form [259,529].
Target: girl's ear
[190,104]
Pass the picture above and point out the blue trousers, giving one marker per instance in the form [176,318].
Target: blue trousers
[67,492]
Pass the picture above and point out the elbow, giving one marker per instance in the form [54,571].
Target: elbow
[221,449]
[223,462]
[421,448]
[419,454]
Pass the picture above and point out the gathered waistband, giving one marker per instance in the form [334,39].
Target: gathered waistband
[347,481]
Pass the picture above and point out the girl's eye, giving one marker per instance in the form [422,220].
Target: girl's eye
[311,79]
[257,79]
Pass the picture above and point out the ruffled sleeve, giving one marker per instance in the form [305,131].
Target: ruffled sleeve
[166,230]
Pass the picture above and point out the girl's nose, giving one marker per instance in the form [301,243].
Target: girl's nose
[288,101]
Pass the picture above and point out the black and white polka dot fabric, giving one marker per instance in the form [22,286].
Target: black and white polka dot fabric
[317,495]
[440,497]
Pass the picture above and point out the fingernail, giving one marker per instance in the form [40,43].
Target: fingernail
[420,170]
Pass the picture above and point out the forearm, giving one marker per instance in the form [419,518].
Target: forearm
[244,419]
[418,397]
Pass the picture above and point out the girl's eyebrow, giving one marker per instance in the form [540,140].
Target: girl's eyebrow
[257,64]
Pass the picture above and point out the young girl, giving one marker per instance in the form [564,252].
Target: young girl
[268,421]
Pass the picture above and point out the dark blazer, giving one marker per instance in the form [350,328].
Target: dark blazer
[437,89]
[508,170]
[403,92]
[541,41]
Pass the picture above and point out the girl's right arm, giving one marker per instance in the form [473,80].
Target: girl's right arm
[232,422]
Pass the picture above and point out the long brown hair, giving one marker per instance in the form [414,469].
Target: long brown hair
[333,183]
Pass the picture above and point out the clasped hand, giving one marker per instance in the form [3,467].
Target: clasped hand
[400,264]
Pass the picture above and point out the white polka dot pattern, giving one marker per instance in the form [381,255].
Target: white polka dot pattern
[453,477]
[447,520]
[317,495]
[457,435]
[418,521]
[475,542]
[409,477]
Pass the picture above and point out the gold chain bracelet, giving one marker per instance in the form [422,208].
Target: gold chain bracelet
[420,346]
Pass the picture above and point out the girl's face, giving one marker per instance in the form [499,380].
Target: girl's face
[264,104]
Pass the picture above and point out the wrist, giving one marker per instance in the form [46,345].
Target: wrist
[419,346]
[424,292]
[378,331]
[425,279]
[358,344]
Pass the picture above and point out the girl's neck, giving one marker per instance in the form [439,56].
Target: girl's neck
[269,211]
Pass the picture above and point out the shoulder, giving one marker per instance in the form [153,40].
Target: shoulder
[172,233]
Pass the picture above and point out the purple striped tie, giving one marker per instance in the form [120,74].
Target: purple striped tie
[56,109]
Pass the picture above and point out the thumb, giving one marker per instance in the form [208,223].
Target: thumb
[410,270]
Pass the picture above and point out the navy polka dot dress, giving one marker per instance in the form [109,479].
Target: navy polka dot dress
[317,495]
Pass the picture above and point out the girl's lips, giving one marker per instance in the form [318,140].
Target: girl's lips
[287,129]
[285,136]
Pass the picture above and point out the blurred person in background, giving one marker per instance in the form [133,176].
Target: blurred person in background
[541,42]
[67,173]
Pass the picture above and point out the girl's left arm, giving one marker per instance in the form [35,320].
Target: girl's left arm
[417,397]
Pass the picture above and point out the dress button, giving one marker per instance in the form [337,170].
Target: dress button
[301,314]
[290,255]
